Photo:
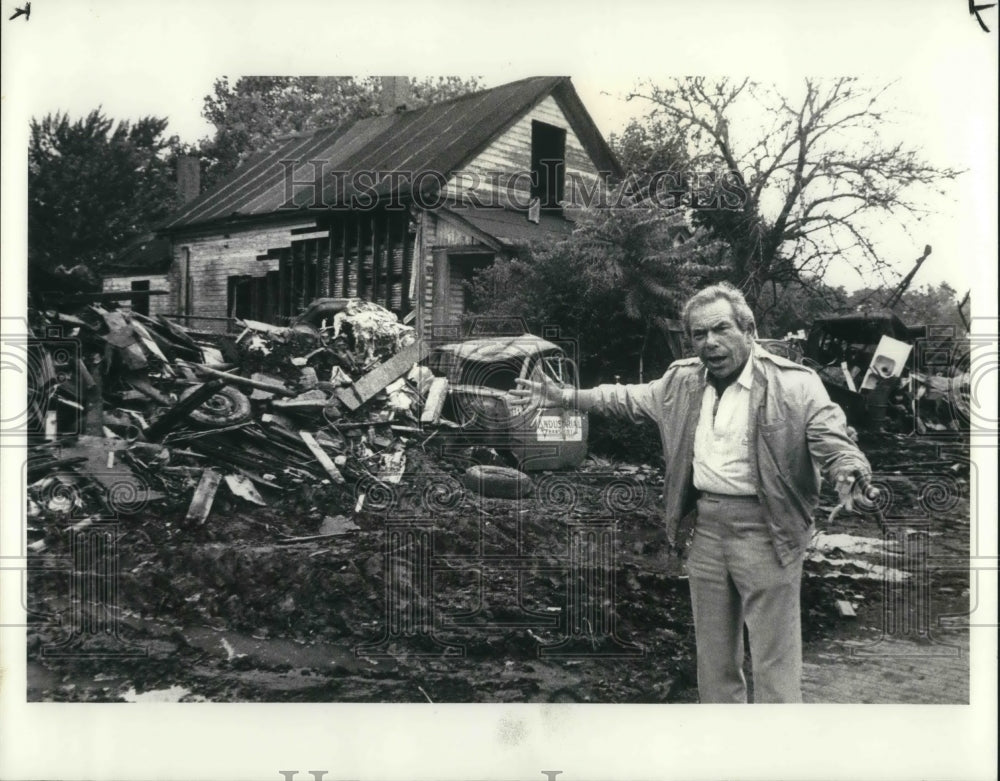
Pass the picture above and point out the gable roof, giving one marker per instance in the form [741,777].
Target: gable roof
[438,137]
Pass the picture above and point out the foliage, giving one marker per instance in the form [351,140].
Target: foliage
[254,112]
[93,185]
[816,171]
[926,305]
[648,145]
[619,438]
[615,284]
[793,307]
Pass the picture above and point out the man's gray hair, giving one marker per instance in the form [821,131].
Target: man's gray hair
[726,292]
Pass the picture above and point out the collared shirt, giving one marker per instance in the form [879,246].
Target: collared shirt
[722,462]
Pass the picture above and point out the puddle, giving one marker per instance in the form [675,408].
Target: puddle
[849,556]
[857,569]
[848,543]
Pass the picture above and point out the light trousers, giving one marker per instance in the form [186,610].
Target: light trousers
[736,578]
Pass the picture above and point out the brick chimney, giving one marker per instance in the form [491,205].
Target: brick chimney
[188,178]
[395,95]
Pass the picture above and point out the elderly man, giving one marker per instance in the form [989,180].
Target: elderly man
[746,435]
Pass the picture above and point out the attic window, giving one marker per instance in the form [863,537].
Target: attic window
[548,163]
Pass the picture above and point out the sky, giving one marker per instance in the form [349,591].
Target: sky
[134,59]
[155,57]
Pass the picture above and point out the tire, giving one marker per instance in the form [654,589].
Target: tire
[498,482]
[226,408]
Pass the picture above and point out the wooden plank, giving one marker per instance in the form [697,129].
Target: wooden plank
[235,379]
[284,281]
[845,609]
[337,259]
[436,396]
[303,405]
[354,396]
[295,280]
[242,487]
[442,288]
[312,263]
[354,258]
[109,295]
[204,495]
[409,250]
[172,417]
[320,455]
[364,228]
[323,252]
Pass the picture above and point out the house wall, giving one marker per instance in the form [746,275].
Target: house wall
[510,153]
[213,259]
[443,299]
[157,304]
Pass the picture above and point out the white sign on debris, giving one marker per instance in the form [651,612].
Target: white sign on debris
[888,361]
[560,428]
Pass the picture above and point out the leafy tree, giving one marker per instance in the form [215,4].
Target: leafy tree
[648,145]
[925,305]
[795,306]
[253,112]
[94,184]
[617,283]
[815,169]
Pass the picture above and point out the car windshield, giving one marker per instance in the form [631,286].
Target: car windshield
[559,368]
[499,375]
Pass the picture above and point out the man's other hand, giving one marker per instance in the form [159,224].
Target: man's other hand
[855,491]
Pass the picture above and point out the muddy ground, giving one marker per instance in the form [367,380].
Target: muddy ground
[567,595]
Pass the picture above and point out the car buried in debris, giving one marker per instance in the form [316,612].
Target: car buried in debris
[480,374]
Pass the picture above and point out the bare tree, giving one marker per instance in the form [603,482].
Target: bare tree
[816,171]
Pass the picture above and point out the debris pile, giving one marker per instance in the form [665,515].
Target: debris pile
[865,364]
[126,409]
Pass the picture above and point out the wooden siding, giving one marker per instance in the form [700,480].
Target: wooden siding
[157,304]
[216,258]
[497,165]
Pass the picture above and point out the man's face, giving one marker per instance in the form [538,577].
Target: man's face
[718,340]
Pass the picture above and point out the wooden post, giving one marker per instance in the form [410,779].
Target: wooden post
[204,495]
[436,395]
[284,283]
[324,251]
[320,455]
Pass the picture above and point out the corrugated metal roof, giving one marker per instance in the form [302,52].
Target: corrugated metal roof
[513,227]
[438,137]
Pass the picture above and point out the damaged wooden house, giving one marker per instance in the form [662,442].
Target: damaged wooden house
[399,209]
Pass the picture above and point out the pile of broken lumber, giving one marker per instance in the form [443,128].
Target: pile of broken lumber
[175,415]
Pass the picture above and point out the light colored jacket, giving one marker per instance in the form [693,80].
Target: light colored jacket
[798,434]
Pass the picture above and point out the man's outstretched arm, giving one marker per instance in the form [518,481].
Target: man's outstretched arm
[635,402]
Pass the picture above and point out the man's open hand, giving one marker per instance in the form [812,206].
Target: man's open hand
[544,393]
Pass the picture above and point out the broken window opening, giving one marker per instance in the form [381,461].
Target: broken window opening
[140,303]
[499,375]
[548,164]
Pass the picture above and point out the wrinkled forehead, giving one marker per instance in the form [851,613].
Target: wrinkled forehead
[712,313]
